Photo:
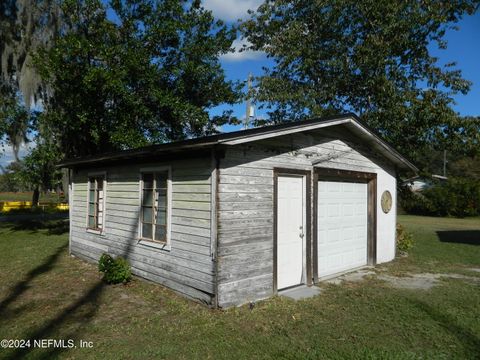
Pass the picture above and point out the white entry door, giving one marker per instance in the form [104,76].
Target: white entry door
[342,226]
[290,231]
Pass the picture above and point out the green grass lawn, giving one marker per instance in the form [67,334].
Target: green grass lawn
[27,196]
[46,294]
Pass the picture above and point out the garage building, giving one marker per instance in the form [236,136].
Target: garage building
[237,217]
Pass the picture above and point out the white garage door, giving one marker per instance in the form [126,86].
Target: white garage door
[342,226]
[290,233]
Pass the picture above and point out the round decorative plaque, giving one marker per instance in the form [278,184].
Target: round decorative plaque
[386,201]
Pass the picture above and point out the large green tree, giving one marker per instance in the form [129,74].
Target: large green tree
[38,170]
[462,155]
[370,57]
[25,25]
[15,120]
[148,72]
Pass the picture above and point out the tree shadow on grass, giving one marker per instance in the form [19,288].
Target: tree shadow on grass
[53,227]
[23,285]
[469,340]
[88,301]
[43,332]
[58,227]
[471,237]
[82,311]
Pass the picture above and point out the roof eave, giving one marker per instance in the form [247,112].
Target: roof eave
[69,163]
[391,153]
[252,135]
[290,130]
[352,120]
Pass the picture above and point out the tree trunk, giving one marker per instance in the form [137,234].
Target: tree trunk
[35,197]
[65,182]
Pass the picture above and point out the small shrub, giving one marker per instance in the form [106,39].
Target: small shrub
[105,263]
[404,239]
[115,270]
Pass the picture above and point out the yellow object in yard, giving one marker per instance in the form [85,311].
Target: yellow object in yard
[6,206]
[62,206]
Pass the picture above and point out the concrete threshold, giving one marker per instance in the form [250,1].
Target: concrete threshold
[300,292]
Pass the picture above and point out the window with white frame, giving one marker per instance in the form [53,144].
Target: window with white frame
[96,202]
[154,212]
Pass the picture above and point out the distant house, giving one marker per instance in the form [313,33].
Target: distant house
[420,183]
[237,217]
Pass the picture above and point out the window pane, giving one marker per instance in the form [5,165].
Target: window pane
[160,233]
[147,231]
[162,202]
[91,209]
[147,214]
[161,179]
[91,222]
[154,205]
[147,181]
[148,197]
[91,196]
[100,207]
[99,183]
[161,217]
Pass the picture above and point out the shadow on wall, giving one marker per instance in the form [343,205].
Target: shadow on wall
[84,306]
[470,237]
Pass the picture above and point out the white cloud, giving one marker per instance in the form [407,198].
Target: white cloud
[238,55]
[231,10]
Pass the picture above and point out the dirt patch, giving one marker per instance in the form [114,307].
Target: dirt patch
[421,281]
[355,276]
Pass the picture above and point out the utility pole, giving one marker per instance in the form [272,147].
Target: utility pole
[250,111]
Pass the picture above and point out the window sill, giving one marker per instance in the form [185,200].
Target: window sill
[96,232]
[155,245]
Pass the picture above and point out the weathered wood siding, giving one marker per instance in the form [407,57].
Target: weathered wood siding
[188,267]
[240,233]
[245,205]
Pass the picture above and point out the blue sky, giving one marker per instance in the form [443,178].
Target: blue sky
[463,47]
